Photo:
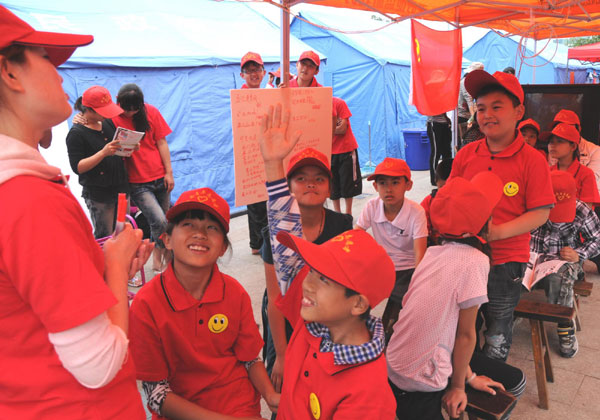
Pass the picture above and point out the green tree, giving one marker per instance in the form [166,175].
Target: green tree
[584,40]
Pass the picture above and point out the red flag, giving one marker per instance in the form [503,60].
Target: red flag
[435,73]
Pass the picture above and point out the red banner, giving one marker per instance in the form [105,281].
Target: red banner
[435,73]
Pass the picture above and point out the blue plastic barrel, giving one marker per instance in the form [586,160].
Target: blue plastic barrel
[416,149]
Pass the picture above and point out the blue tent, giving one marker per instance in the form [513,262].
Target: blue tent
[497,52]
[369,70]
[185,56]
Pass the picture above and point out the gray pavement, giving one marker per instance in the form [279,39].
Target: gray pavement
[575,393]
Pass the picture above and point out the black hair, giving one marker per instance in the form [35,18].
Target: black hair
[290,176]
[472,241]
[509,70]
[14,53]
[130,98]
[486,90]
[79,106]
[349,293]
[377,177]
[250,61]
[196,214]
[442,172]
[310,61]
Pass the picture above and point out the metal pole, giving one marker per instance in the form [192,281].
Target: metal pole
[370,162]
[285,42]
[534,57]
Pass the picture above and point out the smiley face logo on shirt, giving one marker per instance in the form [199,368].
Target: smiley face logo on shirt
[511,189]
[218,323]
[315,407]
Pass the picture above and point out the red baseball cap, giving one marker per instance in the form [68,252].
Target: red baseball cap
[529,122]
[98,98]
[306,157]
[463,207]
[312,56]
[478,79]
[353,259]
[276,73]
[567,116]
[251,56]
[391,167]
[202,199]
[565,192]
[564,131]
[58,46]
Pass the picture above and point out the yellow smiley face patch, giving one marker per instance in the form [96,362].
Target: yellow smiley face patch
[315,407]
[218,323]
[511,189]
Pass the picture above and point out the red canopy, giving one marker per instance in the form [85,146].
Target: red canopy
[590,52]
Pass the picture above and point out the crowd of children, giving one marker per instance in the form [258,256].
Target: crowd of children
[192,337]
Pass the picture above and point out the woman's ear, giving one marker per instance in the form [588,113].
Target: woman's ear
[10,74]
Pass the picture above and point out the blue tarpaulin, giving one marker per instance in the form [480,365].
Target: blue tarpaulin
[183,54]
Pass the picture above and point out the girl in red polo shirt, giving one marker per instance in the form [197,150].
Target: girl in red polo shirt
[564,147]
[63,302]
[194,339]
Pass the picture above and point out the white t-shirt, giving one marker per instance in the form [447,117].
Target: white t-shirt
[396,237]
[450,277]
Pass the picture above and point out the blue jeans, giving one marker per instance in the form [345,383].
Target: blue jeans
[153,200]
[103,216]
[504,292]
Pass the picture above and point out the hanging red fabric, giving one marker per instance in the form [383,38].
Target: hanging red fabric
[436,68]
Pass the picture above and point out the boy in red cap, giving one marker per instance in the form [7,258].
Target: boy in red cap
[194,340]
[589,153]
[399,225]
[563,146]
[435,335]
[560,239]
[345,169]
[525,204]
[308,67]
[530,130]
[253,71]
[333,364]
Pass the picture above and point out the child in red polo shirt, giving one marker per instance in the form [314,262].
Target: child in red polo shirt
[525,204]
[564,147]
[308,67]
[346,181]
[334,364]
[194,340]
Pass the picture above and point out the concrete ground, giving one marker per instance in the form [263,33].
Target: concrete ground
[574,393]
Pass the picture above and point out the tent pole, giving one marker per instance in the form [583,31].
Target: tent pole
[534,57]
[285,42]
[455,131]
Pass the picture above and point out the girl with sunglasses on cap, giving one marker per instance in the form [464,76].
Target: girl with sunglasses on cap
[194,339]
[92,156]
[148,168]
[430,354]
[64,311]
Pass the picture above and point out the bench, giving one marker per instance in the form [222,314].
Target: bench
[534,307]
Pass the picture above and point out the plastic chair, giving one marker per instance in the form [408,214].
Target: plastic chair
[101,241]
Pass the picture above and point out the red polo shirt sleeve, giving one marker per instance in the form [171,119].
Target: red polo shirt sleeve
[61,281]
[249,342]
[145,344]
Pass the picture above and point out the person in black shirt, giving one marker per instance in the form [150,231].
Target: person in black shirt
[92,156]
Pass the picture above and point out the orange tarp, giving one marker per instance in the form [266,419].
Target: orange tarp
[537,19]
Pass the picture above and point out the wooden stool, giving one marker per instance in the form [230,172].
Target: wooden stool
[534,307]
[580,288]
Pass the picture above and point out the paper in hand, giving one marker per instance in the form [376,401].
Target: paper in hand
[128,140]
